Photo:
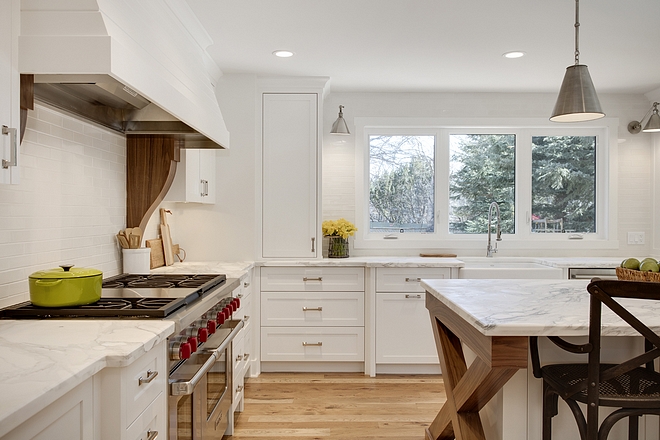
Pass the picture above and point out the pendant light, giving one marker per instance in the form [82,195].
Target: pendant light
[653,124]
[340,127]
[577,100]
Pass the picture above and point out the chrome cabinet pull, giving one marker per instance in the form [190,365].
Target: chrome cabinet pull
[246,285]
[205,188]
[151,375]
[313,279]
[246,356]
[312,309]
[312,344]
[413,280]
[413,296]
[152,435]
[239,358]
[239,388]
[246,318]
[13,147]
[240,295]
[313,243]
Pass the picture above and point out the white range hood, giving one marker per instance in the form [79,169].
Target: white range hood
[127,61]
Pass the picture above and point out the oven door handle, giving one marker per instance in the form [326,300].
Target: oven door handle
[187,388]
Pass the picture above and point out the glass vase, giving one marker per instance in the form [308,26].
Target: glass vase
[337,247]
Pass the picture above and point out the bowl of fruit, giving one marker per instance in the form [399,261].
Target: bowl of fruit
[632,269]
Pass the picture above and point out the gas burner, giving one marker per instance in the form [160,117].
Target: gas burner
[148,283]
[103,308]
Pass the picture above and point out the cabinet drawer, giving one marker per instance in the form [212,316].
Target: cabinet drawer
[140,393]
[312,279]
[152,422]
[312,309]
[312,344]
[406,279]
[245,310]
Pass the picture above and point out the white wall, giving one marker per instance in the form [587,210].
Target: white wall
[69,206]
[635,202]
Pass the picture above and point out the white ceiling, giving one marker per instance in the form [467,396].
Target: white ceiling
[438,45]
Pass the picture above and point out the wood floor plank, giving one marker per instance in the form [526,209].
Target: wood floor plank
[337,406]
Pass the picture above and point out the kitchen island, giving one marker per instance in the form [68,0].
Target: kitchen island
[493,319]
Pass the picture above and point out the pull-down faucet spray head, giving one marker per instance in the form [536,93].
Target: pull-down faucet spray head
[490,250]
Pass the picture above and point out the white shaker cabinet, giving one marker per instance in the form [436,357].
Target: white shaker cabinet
[71,417]
[9,90]
[194,180]
[404,336]
[289,186]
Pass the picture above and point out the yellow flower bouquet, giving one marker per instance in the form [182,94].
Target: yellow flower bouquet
[338,232]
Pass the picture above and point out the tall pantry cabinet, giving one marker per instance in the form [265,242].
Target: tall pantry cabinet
[290,167]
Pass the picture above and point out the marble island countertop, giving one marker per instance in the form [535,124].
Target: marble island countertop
[531,307]
[41,360]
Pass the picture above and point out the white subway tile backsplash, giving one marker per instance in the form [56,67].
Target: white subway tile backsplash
[70,203]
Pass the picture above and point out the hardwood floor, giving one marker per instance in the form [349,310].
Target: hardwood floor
[306,406]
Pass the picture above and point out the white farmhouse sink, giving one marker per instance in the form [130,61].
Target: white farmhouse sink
[492,268]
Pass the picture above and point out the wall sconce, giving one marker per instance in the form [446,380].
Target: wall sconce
[653,124]
[340,127]
[577,100]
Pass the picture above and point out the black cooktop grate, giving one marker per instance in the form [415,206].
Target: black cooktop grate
[202,281]
[103,308]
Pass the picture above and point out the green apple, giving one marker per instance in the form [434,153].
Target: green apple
[630,263]
[649,266]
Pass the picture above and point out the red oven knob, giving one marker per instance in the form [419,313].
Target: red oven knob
[193,343]
[220,319]
[237,301]
[185,350]
[228,310]
[211,325]
[203,334]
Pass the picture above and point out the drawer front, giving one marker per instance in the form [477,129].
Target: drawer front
[312,279]
[152,423]
[140,393]
[312,344]
[237,350]
[406,279]
[312,309]
[245,310]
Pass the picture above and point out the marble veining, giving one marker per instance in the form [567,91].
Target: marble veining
[41,360]
[534,307]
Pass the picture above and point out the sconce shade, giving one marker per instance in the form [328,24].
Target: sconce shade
[653,126]
[339,126]
[577,100]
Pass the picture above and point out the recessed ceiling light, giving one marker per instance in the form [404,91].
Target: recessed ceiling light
[514,54]
[283,53]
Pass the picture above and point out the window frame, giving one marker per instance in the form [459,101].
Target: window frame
[604,130]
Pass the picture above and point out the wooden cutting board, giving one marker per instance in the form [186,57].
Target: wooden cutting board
[157,256]
[166,237]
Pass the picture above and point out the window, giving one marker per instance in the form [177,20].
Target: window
[429,184]
[401,183]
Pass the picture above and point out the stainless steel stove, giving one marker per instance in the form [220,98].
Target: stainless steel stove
[200,367]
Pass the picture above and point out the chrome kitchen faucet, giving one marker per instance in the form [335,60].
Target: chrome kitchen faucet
[490,250]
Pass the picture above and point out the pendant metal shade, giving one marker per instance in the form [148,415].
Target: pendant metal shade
[577,100]
[340,126]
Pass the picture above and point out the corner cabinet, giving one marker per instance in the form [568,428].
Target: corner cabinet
[194,180]
[290,176]
[9,89]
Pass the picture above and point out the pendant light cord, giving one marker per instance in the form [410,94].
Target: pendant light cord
[577,32]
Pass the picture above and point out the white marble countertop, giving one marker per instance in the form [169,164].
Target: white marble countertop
[533,307]
[41,360]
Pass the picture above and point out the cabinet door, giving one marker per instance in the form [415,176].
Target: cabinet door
[70,417]
[194,180]
[289,175]
[403,330]
[9,84]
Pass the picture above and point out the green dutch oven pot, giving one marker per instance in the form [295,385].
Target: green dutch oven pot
[65,286]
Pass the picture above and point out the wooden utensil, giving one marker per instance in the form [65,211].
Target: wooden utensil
[134,241]
[166,237]
[157,258]
[123,242]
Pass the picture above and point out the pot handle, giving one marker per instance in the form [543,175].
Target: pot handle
[66,267]
[48,283]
